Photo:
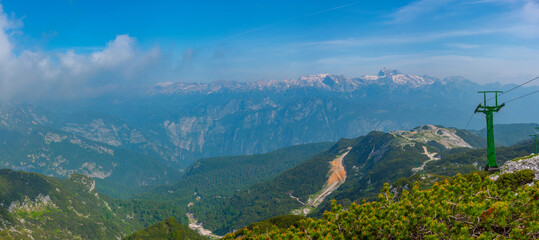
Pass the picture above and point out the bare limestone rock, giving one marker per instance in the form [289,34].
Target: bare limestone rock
[529,162]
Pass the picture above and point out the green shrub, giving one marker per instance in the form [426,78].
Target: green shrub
[515,179]
[464,207]
[283,221]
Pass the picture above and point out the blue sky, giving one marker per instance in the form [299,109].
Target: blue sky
[68,44]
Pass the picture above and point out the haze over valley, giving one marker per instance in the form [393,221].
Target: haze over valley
[281,120]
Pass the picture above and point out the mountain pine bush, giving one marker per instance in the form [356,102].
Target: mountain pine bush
[462,207]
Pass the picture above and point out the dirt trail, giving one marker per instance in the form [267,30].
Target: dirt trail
[194,224]
[431,158]
[297,199]
[336,178]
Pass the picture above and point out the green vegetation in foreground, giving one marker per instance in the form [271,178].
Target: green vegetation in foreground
[168,229]
[461,207]
[281,222]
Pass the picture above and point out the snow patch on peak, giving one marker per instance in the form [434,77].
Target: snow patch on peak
[164,84]
[325,81]
[313,78]
[388,76]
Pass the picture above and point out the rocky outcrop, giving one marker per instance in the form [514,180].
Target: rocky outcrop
[530,162]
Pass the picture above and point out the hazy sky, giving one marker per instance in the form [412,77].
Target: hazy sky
[95,45]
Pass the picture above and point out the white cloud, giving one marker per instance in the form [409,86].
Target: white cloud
[530,12]
[463,45]
[5,45]
[406,39]
[34,74]
[413,10]
[527,20]
[118,51]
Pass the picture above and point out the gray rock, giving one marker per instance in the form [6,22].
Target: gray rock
[532,162]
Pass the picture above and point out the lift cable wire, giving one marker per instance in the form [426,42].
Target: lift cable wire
[529,81]
[525,95]
[474,144]
[470,120]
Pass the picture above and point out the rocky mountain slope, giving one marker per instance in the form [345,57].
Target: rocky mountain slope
[181,122]
[530,162]
[28,144]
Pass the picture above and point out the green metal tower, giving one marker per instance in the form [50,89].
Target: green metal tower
[535,139]
[489,112]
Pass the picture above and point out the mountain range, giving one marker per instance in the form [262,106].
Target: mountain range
[223,155]
[155,135]
[227,193]
[180,122]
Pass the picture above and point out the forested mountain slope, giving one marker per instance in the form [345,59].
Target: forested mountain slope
[33,206]
[370,161]
[225,175]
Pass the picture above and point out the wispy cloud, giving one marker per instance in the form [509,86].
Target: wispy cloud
[528,20]
[520,20]
[406,39]
[290,20]
[416,9]
[463,45]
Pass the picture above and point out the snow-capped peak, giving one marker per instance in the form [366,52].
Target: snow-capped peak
[326,81]
[385,72]
[389,76]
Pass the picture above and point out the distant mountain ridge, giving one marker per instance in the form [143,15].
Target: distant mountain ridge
[337,83]
[177,123]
